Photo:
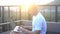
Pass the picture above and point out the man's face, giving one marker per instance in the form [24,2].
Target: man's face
[32,11]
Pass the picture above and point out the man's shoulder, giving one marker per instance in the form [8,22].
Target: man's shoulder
[39,15]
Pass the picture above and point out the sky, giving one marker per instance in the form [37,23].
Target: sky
[19,2]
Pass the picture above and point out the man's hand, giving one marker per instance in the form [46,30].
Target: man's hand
[12,32]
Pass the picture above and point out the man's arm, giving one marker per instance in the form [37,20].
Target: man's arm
[27,27]
[29,32]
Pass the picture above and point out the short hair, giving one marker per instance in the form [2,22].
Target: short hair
[33,6]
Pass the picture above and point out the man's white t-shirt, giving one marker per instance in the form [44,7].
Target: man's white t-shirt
[39,23]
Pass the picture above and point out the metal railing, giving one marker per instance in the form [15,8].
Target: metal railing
[12,24]
[8,19]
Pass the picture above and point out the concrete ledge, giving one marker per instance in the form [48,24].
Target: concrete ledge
[53,27]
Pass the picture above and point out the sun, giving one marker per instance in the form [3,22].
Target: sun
[26,4]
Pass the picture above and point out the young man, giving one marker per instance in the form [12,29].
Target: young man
[39,25]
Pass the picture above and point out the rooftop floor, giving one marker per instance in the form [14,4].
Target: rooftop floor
[22,33]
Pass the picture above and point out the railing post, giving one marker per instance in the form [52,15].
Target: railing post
[56,13]
[2,14]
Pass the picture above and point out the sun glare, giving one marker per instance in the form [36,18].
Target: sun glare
[15,9]
[25,4]
[19,2]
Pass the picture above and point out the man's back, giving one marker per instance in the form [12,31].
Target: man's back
[39,23]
